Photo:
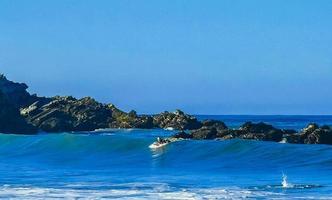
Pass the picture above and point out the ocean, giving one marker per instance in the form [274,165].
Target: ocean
[118,164]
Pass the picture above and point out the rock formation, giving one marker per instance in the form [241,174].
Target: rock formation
[68,114]
[23,113]
[312,134]
[177,120]
[122,119]
[16,93]
[10,119]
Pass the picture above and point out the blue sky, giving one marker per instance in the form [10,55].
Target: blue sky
[205,57]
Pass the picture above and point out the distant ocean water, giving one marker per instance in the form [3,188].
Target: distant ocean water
[117,164]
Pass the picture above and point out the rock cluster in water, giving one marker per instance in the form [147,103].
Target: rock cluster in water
[312,134]
[23,113]
[59,114]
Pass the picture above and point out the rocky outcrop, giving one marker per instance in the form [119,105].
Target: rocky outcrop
[122,119]
[312,134]
[210,129]
[86,114]
[23,113]
[261,127]
[182,135]
[177,120]
[261,131]
[68,114]
[10,119]
[17,94]
[60,114]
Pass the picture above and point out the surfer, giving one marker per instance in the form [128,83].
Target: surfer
[161,140]
[159,143]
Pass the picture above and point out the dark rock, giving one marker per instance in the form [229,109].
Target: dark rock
[204,133]
[228,134]
[262,131]
[121,119]
[182,135]
[17,94]
[68,114]
[319,136]
[272,135]
[256,128]
[313,134]
[215,123]
[10,119]
[309,129]
[326,127]
[177,120]
[216,129]
[289,131]
[211,129]
[294,139]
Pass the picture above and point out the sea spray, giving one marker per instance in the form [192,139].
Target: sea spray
[284,182]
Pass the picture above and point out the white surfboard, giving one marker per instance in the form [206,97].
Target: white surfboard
[157,145]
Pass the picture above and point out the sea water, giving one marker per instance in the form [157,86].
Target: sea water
[118,164]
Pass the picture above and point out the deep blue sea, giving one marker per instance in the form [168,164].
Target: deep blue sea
[118,164]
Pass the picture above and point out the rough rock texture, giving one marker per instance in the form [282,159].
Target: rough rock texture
[16,93]
[23,113]
[261,127]
[312,134]
[260,131]
[129,120]
[10,119]
[68,114]
[219,125]
[273,135]
[182,135]
[212,129]
[177,120]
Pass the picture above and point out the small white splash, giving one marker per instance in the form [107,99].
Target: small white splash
[283,141]
[169,129]
[284,182]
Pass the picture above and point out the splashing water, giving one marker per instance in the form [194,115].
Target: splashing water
[284,182]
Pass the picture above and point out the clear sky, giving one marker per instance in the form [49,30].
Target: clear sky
[205,57]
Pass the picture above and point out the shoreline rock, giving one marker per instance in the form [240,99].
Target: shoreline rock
[22,113]
[177,120]
[312,134]
[11,122]
[68,114]
[62,114]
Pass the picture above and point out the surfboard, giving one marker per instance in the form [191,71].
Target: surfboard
[157,145]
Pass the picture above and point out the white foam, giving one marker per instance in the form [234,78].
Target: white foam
[283,141]
[155,192]
[169,129]
[137,191]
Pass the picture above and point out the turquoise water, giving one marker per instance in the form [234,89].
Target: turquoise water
[118,164]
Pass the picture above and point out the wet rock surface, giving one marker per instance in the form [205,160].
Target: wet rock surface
[177,120]
[121,119]
[312,134]
[68,114]
[23,113]
[61,114]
